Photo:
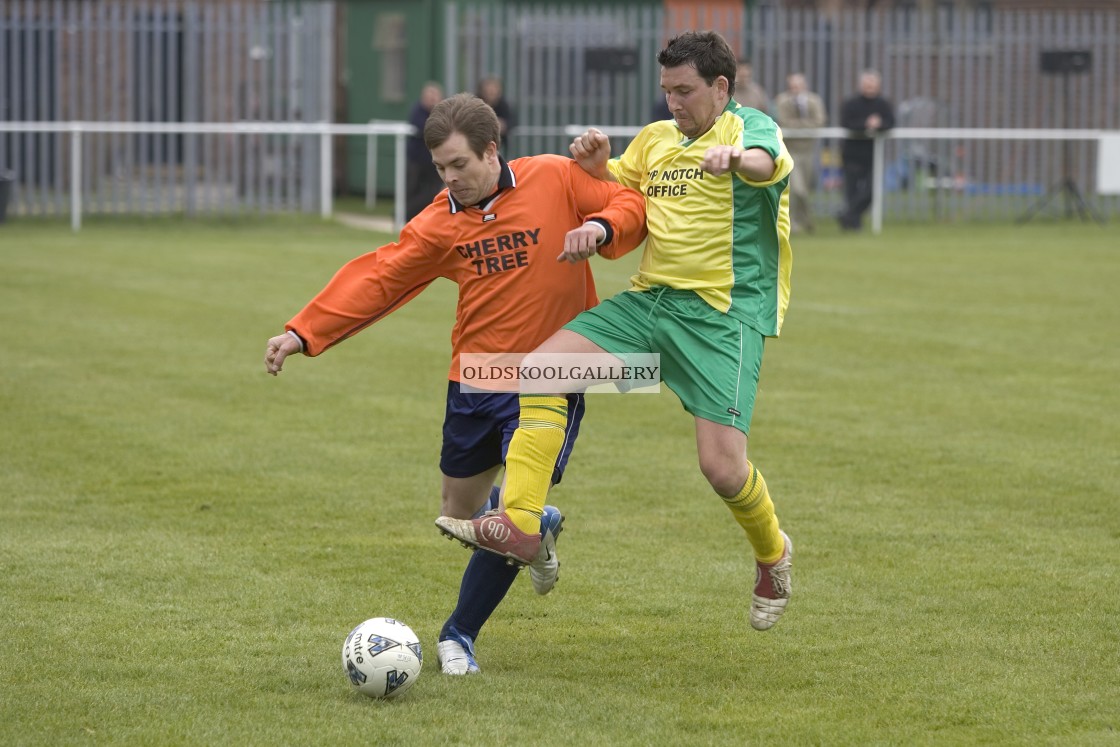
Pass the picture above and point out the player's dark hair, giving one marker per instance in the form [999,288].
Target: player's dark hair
[706,51]
[464,113]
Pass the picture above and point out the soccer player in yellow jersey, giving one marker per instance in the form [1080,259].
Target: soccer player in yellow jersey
[713,283]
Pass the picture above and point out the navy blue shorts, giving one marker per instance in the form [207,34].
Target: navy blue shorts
[478,427]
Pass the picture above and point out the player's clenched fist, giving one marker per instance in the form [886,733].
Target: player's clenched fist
[591,150]
[279,348]
[589,143]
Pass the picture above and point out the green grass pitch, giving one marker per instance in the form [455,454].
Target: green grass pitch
[185,541]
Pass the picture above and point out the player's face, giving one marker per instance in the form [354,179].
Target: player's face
[470,179]
[695,105]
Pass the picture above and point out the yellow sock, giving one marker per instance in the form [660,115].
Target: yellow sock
[531,458]
[754,511]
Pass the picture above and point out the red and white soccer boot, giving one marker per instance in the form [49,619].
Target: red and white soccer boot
[772,588]
[493,532]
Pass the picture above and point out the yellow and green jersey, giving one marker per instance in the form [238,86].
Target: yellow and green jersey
[724,237]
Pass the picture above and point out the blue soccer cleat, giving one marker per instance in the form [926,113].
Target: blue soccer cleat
[545,568]
[456,654]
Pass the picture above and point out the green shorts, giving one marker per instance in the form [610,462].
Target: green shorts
[709,359]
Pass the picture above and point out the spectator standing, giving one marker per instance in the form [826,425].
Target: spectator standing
[749,93]
[798,108]
[490,91]
[423,182]
[866,114]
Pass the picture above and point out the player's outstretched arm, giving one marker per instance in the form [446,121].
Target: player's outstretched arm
[592,150]
[279,348]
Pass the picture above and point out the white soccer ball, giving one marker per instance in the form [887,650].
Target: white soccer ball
[382,657]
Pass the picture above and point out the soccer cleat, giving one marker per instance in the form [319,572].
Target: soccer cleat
[545,568]
[772,588]
[456,655]
[495,533]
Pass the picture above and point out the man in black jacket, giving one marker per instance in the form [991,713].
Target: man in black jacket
[490,91]
[866,114]
[422,180]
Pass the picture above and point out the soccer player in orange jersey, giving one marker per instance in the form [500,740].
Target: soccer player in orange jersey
[514,237]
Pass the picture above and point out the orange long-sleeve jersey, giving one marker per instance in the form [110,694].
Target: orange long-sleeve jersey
[513,293]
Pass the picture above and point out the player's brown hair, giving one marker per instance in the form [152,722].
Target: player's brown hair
[466,114]
[706,51]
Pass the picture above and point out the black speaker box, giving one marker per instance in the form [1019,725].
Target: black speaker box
[1066,61]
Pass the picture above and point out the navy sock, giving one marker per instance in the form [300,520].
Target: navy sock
[493,502]
[485,583]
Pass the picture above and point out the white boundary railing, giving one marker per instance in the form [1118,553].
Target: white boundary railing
[398,130]
[901,133]
[399,187]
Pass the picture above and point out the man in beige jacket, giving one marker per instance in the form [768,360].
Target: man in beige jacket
[799,108]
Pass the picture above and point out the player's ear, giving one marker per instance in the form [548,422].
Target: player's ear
[491,152]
